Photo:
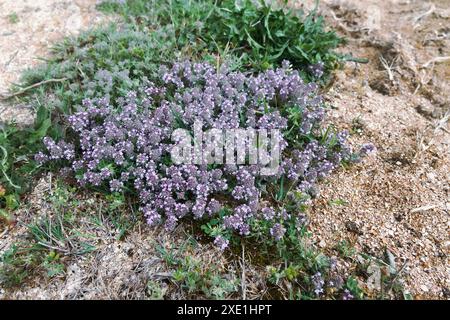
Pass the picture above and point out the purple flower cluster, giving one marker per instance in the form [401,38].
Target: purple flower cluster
[367,148]
[317,69]
[221,242]
[57,151]
[125,144]
[347,295]
[318,283]
[313,163]
[277,231]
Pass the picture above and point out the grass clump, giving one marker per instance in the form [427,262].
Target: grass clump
[263,35]
[258,34]
[107,61]
[62,232]
[23,260]
[248,35]
[17,165]
[13,18]
[193,272]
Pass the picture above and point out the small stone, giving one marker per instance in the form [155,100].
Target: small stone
[353,227]
[424,288]
[425,110]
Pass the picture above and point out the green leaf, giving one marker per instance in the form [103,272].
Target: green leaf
[41,132]
[252,41]
[12,201]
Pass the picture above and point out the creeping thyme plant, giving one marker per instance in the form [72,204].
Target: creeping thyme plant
[125,145]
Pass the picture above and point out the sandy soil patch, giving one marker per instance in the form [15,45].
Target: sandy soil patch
[28,29]
[398,200]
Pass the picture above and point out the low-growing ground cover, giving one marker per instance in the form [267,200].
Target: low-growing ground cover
[129,149]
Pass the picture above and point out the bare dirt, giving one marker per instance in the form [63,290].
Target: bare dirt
[396,201]
[28,29]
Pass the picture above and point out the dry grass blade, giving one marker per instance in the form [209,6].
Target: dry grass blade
[35,85]
[389,67]
[421,16]
[438,125]
[243,284]
[435,60]
[424,208]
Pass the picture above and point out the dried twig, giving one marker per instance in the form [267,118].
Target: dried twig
[424,208]
[53,247]
[3,233]
[13,56]
[435,60]
[424,79]
[439,125]
[162,275]
[22,91]
[243,285]
[79,69]
[423,15]
[398,274]
[389,67]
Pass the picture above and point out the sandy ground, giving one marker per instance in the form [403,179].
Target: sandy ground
[396,201]
[28,28]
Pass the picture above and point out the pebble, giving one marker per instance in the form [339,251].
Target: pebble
[424,288]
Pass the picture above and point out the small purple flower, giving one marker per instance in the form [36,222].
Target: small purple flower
[367,149]
[41,158]
[277,231]
[115,185]
[301,220]
[221,242]
[213,207]
[171,223]
[336,282]
[347,295]
[317,69]
[268,213]
[318,283]
[333,263]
